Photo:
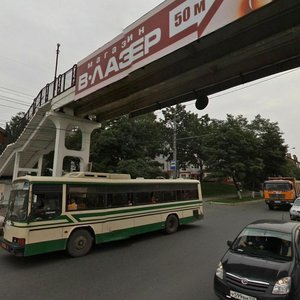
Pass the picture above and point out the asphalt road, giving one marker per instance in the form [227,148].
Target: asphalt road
[152,266]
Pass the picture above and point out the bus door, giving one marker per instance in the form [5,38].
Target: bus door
[44,214]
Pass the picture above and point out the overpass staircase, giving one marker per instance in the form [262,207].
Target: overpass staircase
[45,130]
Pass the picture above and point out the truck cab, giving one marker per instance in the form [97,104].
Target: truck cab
[279,192]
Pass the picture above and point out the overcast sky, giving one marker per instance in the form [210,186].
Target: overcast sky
[31,29]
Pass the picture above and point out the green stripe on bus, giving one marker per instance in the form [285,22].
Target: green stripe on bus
[44,247]
[56,245]
[50,222]
[133,210]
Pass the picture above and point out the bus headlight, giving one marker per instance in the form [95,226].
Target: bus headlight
[219,272]
[282,286]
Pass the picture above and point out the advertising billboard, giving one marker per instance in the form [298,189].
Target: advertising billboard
[170,26]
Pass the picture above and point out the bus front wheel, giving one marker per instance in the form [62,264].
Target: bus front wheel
[80,243]
[172,224]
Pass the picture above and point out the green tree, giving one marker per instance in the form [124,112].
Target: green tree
[197,143]
[139,168]
[125,141]
[290,169]
[187,132]
[233,151]
[270,147]
[15,127]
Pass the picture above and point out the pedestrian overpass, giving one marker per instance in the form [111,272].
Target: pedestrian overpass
[180,51]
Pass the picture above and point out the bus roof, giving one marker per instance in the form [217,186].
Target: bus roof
[110,178]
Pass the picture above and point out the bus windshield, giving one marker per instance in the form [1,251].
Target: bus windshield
[18,205]
[18,202]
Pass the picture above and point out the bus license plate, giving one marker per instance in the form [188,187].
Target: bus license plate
[4,246]
[241,296]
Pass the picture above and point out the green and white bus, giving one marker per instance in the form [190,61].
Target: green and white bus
[81,209]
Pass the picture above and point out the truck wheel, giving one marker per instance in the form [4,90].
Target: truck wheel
[172,224]
[80,243]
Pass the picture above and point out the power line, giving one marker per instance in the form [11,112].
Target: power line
[244,87]
[7,106]
[12,91]
[250,85]
[4,98]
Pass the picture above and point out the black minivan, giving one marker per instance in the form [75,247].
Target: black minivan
[262,263]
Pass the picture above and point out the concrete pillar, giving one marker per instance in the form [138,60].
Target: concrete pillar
[62,123]
[18,168]
[16,165]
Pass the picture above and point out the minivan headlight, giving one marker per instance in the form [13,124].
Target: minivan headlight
[282,286]
[219,272]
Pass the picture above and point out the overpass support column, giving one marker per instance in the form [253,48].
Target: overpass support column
[17,165]
[18,169]
[64,122]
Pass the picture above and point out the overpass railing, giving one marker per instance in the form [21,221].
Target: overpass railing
[61,84]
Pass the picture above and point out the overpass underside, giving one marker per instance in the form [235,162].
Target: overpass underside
[260,44]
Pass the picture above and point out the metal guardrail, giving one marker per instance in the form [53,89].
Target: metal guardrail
[61,84]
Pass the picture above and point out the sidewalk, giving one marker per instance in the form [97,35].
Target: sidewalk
[218,199]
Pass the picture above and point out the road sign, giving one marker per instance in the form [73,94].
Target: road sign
[173,165]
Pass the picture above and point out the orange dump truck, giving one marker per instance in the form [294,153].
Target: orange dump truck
[280,191]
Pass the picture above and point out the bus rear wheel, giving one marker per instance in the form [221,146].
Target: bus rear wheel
[172,224]
[80,243]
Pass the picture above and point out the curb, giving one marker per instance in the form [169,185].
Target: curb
[234,203]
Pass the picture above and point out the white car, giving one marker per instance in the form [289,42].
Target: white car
[295,210]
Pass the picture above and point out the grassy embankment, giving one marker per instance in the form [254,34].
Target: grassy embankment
[224,193]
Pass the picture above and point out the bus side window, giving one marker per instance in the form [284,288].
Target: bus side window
[96,201]
[119,199]
[169,196]
[46,205]
[141,198]
[159,195]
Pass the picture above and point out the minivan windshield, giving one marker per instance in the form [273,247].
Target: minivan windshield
[266,244]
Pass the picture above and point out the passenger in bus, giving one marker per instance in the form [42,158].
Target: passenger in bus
[152,198]
[72,205]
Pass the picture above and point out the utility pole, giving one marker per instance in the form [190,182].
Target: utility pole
[175,146]
[55,72]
